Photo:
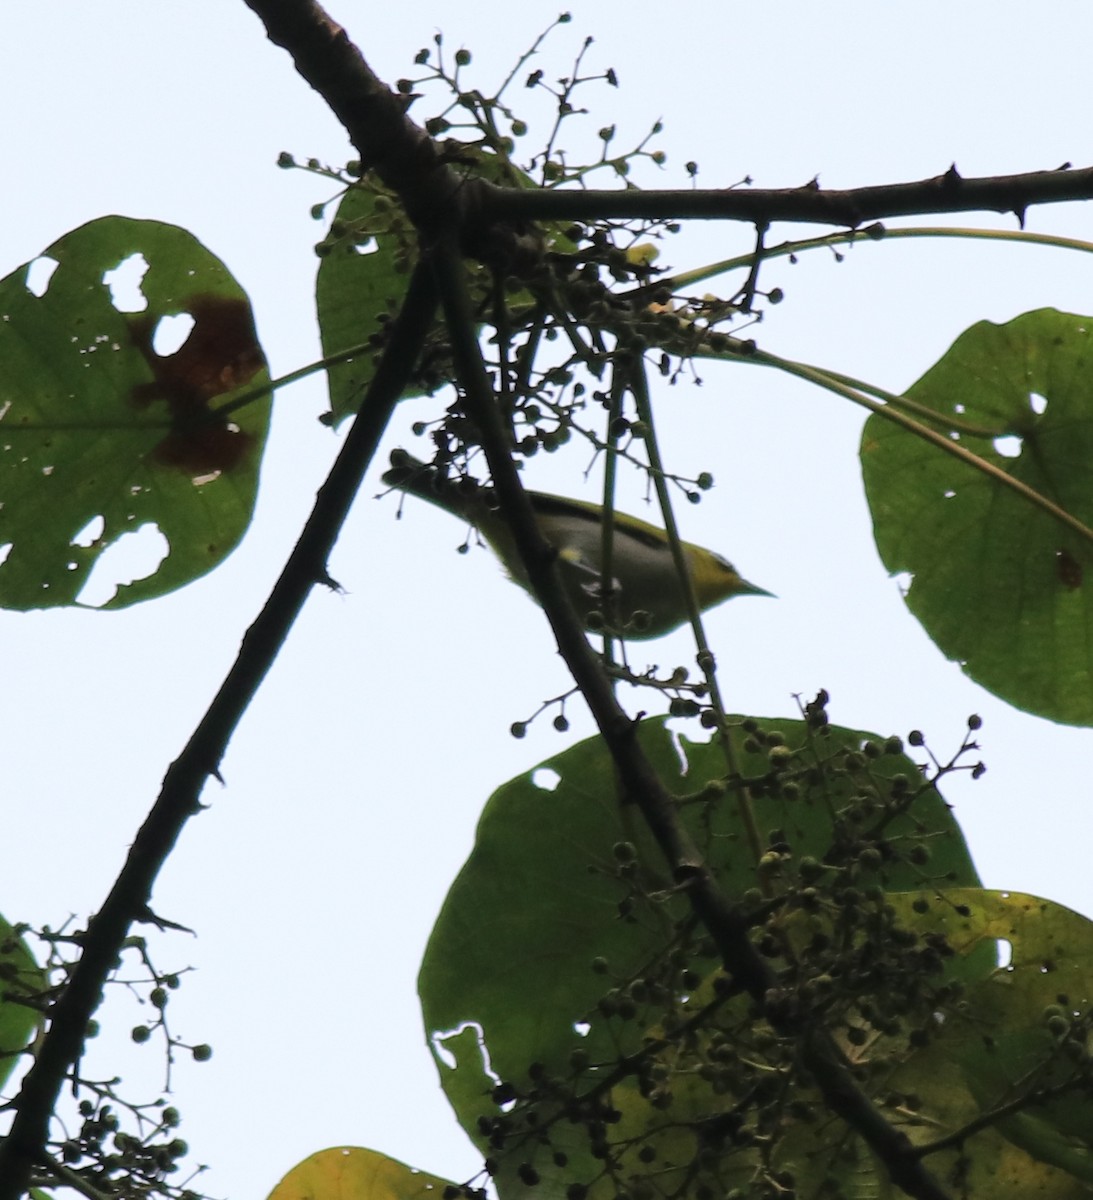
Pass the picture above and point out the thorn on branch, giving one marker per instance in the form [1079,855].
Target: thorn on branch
[147,917]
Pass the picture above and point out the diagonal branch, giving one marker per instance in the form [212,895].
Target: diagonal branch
[724,922]
[179,798]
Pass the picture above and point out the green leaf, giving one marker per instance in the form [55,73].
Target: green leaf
[354,1173]
[995,1047]
[510,976]
[1058,1131]
[1012,1050]
[996,582]
[365,265]
[100,435]
[23,985]
[362,278]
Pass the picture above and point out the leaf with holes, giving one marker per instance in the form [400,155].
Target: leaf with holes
[998,583]
[564,877]
[106,430]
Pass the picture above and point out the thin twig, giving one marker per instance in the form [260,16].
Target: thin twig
[852,237]
[891,411]
[706,661]
[71,1179]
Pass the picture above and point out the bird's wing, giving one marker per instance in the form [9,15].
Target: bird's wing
[589,575]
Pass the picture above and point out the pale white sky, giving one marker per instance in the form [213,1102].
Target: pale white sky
[356,779]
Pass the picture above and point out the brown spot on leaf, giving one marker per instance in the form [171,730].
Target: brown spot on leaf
[220,355]
[206,449]
[1068,569]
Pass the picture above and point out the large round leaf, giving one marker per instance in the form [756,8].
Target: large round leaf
[102,434]
[545,918]
[998,583]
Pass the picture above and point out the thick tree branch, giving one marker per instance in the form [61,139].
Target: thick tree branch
[402,154]
[724,922]
[200,759]
[811,204]
[493,221]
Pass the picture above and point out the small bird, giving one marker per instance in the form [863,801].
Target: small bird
[645,596]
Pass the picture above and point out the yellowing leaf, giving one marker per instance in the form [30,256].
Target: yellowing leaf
[354,1173]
